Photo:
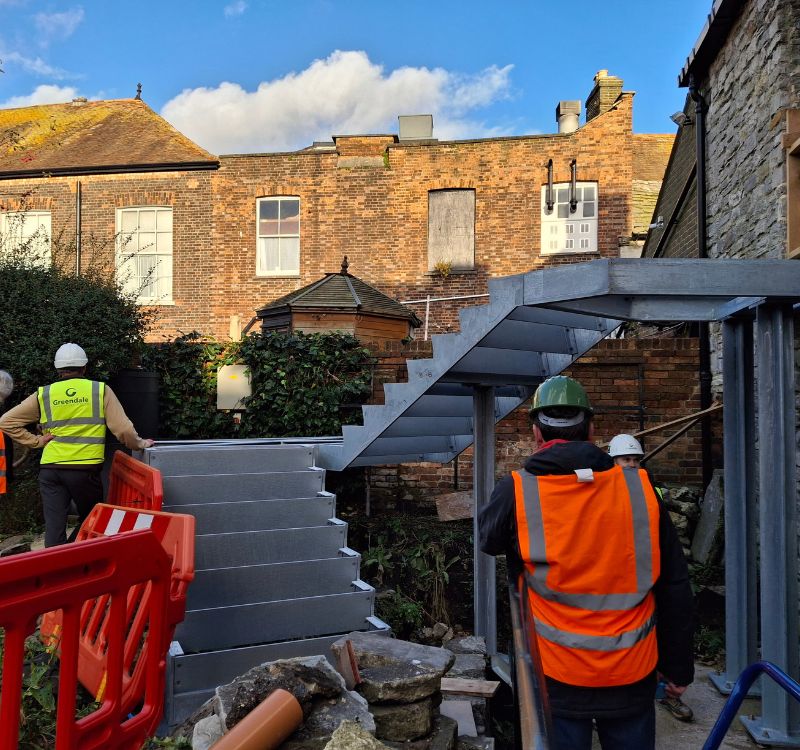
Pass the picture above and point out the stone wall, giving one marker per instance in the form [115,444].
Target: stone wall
[753,78]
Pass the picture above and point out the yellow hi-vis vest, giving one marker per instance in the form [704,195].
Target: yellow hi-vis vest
[592,556]
[73,411]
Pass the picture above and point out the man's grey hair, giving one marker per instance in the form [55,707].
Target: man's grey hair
[6,385]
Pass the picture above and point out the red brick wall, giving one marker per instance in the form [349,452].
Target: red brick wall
[189,194]
[658,375]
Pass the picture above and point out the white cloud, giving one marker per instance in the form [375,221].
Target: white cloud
[235,9]
[57,25]
[46,94]
[35,65]
[343,94]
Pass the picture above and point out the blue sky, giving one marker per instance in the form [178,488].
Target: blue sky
[259,75]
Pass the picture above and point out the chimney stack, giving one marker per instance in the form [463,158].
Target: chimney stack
[567,114]
[605,93]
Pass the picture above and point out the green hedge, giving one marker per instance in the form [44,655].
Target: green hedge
[300,384]
[44,307]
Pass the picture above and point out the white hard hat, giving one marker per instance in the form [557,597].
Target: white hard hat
[6,385]
[70,355]
[625,445]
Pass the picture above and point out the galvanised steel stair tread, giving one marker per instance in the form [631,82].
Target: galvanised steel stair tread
[269,546]
[224,587]
[265,622]
[230,459]
[253,515]
[509,343]
[201,489]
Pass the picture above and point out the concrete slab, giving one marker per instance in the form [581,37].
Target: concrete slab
[706,703]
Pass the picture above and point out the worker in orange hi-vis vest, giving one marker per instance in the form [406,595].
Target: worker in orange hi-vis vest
[607,583]
[6,387]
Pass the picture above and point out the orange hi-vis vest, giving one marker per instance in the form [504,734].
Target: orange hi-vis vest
[589,542]
[3,467]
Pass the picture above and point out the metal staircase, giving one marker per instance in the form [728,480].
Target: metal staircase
[274,576]
[507,344]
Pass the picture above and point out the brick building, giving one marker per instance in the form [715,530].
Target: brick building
[206,238]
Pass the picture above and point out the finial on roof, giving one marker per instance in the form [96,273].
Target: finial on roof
[345,266]
[138,91]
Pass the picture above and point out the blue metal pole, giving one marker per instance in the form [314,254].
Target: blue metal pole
[739,693]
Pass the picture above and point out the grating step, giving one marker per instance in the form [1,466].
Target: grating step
[264,583]
[221,488]
[266,622]
[255,515]
[229,459]
[271,546]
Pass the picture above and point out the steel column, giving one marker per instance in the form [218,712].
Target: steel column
[741,611]
[484,599]
[779,723]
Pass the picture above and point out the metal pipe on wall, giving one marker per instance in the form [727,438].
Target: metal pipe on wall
[78,228]
[702,252]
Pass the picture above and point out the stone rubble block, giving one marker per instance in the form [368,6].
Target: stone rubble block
[402,721]
[442,737]
[469,667]
[352,736]
[470,644]
[306,678]
[325,718]
[395,671]
[206,732]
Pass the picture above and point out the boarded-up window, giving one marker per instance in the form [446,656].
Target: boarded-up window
[451,228]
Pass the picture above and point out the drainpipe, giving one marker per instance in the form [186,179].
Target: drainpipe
[702,251]
[78,228]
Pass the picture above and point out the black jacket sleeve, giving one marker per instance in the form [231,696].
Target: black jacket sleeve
[496,525]
[674,607]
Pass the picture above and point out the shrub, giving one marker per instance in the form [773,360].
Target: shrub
[44,306]
[299,384]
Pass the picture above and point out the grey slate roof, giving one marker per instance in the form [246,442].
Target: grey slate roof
[343,291]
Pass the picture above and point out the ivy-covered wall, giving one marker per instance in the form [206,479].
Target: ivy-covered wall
[302,385]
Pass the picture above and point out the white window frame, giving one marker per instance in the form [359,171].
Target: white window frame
[15,233]
[129,252]
[282,270]
[573,233]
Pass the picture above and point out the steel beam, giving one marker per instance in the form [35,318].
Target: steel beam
[741,612]
[779,723]
[485,600]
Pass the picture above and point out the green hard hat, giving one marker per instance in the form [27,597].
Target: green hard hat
[560,391]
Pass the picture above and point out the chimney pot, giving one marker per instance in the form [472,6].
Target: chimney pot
[568,115]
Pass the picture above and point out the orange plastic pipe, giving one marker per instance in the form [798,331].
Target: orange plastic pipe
[266,726]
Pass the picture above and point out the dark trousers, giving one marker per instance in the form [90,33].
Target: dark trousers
[60,486]
[629,733]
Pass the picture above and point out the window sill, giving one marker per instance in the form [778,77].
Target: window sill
[262,276]
[569,252]
[161,303]
[453,272]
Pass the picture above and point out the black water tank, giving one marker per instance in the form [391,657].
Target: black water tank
[137,391]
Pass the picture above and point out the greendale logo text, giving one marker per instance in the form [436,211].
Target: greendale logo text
[62,401]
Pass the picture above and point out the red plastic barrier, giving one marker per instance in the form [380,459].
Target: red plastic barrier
[175,532]
[133,484]
[69,578]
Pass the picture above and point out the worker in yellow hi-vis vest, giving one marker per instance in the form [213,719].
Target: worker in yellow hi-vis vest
[74,413]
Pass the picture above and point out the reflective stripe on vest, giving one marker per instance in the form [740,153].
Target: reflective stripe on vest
[73,411]
[591,558]
[3,475]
